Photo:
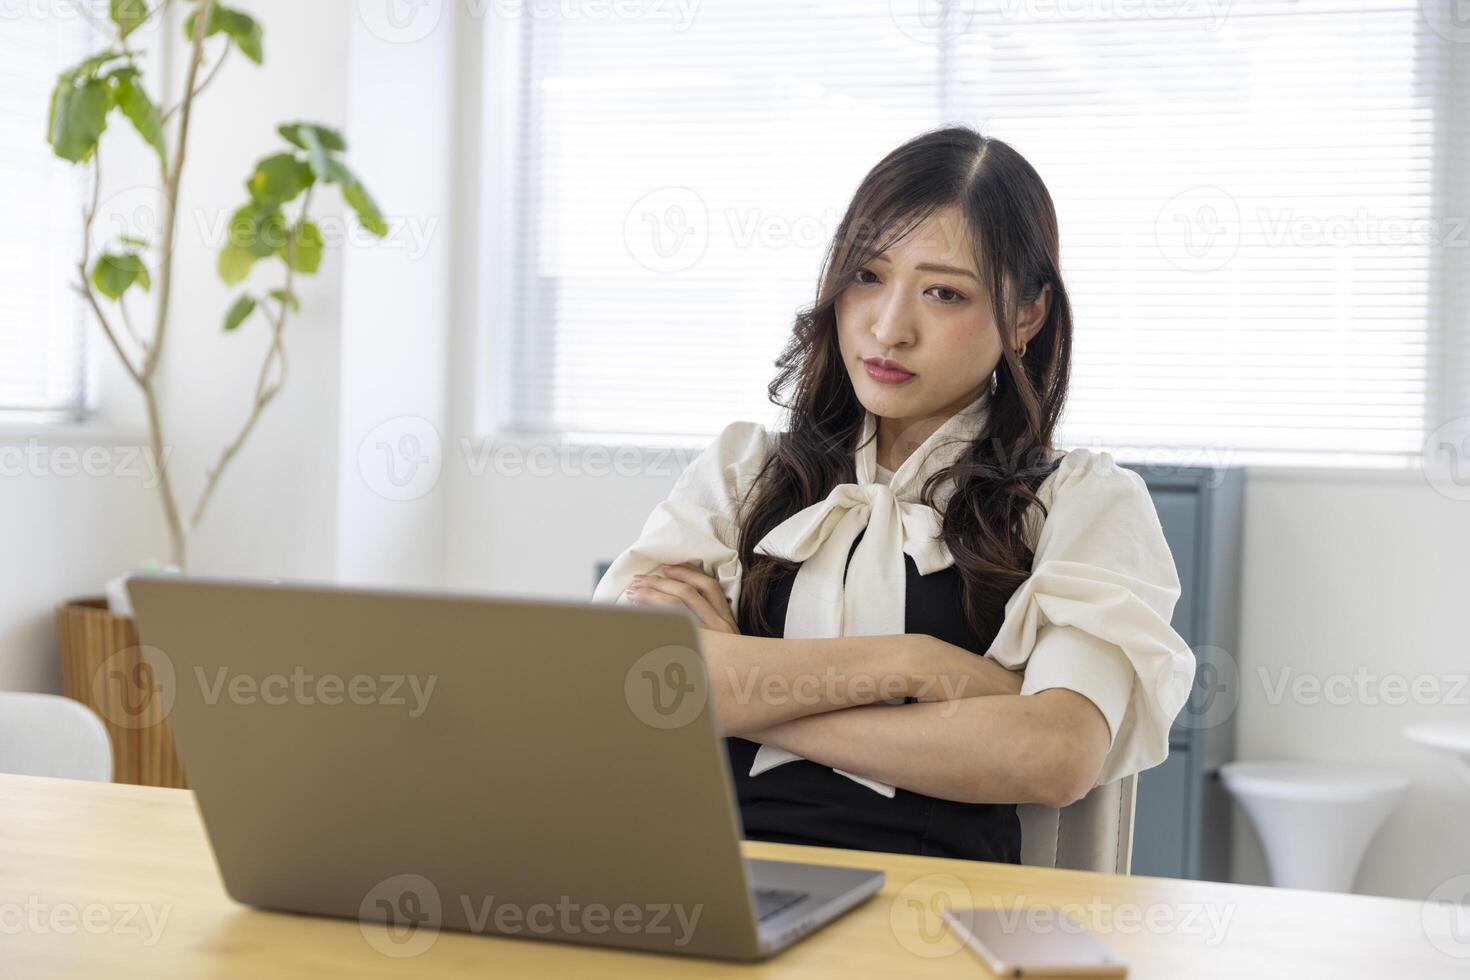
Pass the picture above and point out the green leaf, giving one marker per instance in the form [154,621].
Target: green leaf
[239,26]
[357,197]
[235,262]
[362,202]
[114,274]
[78,117]
[128,14]
[133,240]
[278,179]
[306,256]
[254,231]
[141,112]
[316,153]
[337,172]
[245,31]
[285,298]
[242,308]
[330,139]
[260,229]
[88,67]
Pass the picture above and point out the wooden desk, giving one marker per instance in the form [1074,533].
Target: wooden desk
[83,866]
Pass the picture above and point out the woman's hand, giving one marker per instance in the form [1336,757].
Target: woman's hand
[681,585]
[946,672]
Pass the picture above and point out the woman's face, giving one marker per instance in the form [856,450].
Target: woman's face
[921,306]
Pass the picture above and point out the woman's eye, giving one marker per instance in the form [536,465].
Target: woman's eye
[858,276]
[946,295]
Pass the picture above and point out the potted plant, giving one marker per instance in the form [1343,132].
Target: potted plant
[101,662]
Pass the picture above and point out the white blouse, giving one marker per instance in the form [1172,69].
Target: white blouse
[1093,617]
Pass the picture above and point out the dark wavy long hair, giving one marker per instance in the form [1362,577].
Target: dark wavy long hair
[1014,228]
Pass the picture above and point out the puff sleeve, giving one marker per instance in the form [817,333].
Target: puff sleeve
[697,522]
[1094,616]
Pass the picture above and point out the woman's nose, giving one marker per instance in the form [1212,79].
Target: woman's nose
[894,325]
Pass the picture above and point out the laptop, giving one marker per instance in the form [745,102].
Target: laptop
[432,760]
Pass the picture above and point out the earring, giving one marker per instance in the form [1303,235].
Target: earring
[1022,351]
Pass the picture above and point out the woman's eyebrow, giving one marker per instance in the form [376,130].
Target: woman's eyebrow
[935,267]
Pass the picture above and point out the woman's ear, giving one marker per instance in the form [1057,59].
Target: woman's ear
[1033,315]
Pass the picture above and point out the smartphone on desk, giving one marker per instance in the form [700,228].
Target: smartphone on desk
[1012,944]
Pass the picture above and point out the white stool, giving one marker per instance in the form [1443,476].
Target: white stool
[1452,737]
[1314,819]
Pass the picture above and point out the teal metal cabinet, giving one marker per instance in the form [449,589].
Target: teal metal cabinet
[1182,820]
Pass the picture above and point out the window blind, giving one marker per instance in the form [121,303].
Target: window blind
[42,330]
[1260,227]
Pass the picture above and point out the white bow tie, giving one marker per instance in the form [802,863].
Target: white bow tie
[871,602]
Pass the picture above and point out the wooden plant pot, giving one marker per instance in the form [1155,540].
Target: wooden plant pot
[102,666]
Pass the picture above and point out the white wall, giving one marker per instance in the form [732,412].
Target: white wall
[64,534]
[1370,571]
[398,297]
[274,511]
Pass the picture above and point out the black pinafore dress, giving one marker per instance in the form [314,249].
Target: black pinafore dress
[802,802]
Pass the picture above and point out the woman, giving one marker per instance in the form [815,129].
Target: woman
[872,581]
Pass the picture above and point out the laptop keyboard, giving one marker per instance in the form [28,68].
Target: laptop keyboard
[774,901]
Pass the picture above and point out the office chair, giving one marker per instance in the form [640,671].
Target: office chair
[1093,834]
[48,735]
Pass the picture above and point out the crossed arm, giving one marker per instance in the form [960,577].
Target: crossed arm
[971,737]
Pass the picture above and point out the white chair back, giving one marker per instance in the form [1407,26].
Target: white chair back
[49,735]
[1093,834]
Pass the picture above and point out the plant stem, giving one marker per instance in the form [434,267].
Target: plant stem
[169,112]
[176,534]
[84,284]
[265,390]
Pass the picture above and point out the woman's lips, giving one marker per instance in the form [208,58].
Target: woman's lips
[881,372]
